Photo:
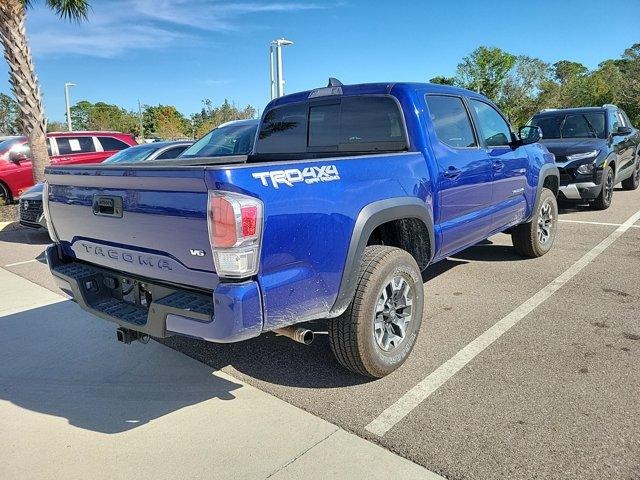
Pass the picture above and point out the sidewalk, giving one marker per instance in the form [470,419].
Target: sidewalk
[75,404]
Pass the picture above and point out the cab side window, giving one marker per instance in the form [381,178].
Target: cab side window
[614,121]
[451,121]
[172,152]
[110,144]
[495,131]
[74,145]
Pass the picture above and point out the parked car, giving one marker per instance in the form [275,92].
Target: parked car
[231,138]
[349,193]
[148,152]
[595,148]
[31,213]
[65,148]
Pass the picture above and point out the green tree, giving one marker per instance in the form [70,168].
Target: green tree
[103,116]
[485,70]
[565,70]
[165,121]
[440,80]
[518,94]
[22,75]
[9,116]
[210,117]
[55,126]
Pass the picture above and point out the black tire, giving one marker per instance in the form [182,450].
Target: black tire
[633,181]
[535,238]
[5,194]
[603,201]
[355,340]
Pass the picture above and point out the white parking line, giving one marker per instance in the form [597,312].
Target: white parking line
[597,223]
[410,400]
[21,263]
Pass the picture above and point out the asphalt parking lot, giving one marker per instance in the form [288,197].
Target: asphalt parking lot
[523,369]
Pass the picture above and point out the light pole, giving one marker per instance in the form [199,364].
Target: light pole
[66,102]
[275,72]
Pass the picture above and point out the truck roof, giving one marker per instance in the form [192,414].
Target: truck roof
[564,111]
[378,89]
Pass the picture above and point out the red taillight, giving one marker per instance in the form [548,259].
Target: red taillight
[223,223]
[235,228]
[249,220]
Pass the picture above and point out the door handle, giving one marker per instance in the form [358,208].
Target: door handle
[497,166]
[452,172]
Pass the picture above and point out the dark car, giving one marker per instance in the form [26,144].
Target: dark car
[595,148]
[31,214]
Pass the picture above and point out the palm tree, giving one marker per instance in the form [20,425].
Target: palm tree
[22,76]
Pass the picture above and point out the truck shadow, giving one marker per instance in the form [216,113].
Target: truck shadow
[274,359]
[59,361]
[26,236]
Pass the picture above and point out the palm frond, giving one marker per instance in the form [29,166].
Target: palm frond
[68,9]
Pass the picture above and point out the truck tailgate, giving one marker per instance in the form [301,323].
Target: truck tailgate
[144,221]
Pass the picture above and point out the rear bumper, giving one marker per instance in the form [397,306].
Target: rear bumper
[231,313]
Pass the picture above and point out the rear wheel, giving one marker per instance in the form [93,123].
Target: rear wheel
[603,201]
[633,181]
[535,238]
[376,334]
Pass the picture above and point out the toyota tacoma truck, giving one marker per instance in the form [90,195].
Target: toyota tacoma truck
[350,192]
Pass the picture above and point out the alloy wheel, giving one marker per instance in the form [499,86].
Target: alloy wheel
[393,315]
[608,187]
[545,222]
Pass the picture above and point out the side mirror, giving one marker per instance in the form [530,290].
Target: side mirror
[17,157]
[529,134]
[622,131]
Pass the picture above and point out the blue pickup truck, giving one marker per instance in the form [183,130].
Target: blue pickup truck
[351,191]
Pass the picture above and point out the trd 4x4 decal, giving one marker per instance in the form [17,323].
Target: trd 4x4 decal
[309,175]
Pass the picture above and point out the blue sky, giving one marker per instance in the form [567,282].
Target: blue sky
[180,52]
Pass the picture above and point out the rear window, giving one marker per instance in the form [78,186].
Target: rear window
[110,144]
[364,124]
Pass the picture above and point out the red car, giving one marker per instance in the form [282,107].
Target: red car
[65,148]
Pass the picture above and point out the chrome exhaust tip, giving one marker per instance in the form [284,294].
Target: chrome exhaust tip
[297,334]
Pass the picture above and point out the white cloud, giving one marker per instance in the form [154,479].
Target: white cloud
[117,27]
[101,41]
[207,15]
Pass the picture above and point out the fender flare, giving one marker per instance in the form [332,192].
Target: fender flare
[371,216]
[547,170]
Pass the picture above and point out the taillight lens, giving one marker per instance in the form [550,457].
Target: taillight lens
[235,231]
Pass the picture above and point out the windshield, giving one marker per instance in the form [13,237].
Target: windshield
[8,143]
[234,139]
[573,125]
[133,154]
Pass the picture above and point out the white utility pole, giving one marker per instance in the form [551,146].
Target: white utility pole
[277,79]
[66,102]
